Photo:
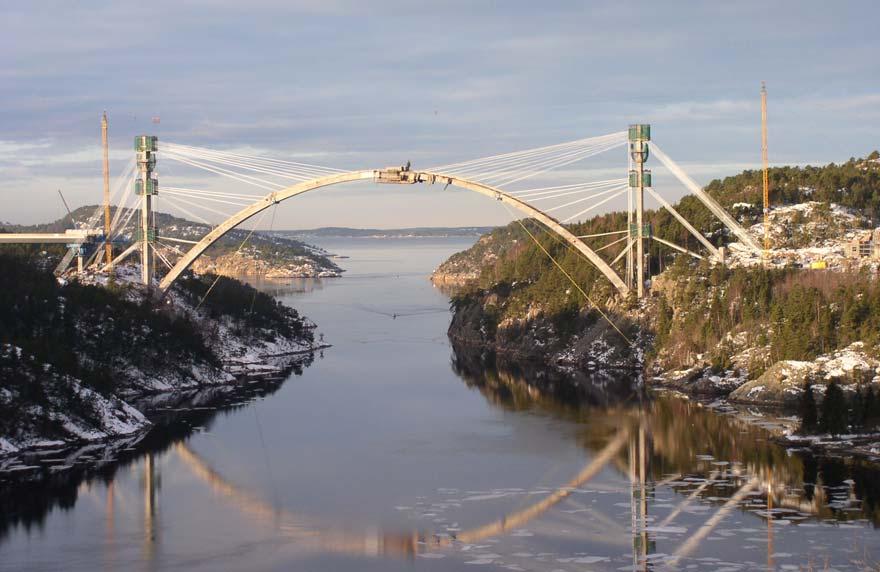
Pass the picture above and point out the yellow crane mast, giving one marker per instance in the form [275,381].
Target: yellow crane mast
[108,248]
[766,178]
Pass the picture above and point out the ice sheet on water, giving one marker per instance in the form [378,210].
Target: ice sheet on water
[584,559]
[667,529]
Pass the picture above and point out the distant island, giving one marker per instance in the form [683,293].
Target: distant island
[416,232]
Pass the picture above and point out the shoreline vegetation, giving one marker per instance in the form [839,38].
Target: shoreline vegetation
[742,333]
[76,355]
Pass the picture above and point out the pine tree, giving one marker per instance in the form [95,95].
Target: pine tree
[857,410]
[871,410]
[808,414]
[834,411]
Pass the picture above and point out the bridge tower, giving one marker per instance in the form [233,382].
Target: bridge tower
[639,178]
[146,186]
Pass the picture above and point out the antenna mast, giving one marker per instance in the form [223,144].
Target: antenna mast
[766,179]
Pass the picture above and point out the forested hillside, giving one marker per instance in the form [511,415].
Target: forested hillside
[72,353]
[738,319]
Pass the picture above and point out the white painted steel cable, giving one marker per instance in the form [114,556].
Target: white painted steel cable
[131,211]
[569,186]
[610,244]
[297,176]
[237,203]
[512,163]
[215,193]
[122,204]
[523,162]
[557,146]
[603,234]
[546,167]
[161,256]
[249,179]
[260,158]
[492,172]
[171,246]
[123,210]
[566,194]
[567,275]
[174,201]
[225,215]
[600,203]
[617,190]
[119,184]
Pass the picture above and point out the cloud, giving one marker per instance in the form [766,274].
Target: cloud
[702,111]
[354,84]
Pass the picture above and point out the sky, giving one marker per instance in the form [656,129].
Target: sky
[353,84]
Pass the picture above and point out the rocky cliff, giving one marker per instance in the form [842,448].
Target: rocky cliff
[584,341]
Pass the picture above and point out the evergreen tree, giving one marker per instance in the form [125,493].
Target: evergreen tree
[808,413]
[834,411]
[871,410]
[857,410]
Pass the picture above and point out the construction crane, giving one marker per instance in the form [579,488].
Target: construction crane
[766,178]
[108,248]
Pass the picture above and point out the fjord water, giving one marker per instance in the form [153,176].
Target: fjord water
[394,451]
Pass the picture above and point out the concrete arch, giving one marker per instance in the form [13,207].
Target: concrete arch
[391,175]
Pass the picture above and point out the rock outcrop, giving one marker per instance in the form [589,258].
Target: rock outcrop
[783,382]
[233,265]
[592,344]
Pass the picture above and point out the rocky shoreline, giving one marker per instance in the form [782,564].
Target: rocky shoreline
[217,350]
[236,264]
[584,341]
[768,401]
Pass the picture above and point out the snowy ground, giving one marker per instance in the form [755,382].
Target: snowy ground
[109,417]
[783,382]
[827,230]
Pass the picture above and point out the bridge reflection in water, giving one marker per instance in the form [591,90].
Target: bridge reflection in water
[665,446]
[660,442]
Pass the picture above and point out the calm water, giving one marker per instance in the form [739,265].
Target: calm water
[394,451]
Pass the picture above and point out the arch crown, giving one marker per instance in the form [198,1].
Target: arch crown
[390,175]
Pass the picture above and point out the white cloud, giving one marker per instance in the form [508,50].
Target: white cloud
[702,111]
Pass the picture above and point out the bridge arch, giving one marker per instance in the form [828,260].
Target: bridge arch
[403,176]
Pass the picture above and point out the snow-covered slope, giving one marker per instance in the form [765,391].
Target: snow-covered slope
[44,403]
[783,382]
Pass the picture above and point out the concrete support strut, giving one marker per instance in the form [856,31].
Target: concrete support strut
[395,176]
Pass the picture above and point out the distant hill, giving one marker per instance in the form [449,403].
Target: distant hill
[265,254]
[415,232]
